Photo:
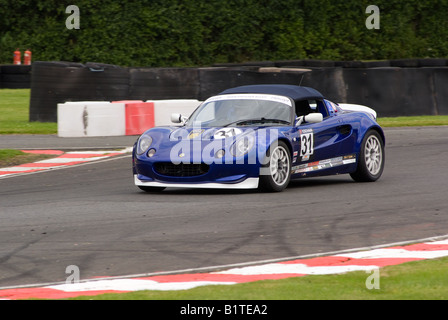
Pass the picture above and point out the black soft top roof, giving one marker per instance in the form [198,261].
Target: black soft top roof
[291,91]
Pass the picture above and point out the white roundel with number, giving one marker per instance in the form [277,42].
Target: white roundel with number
[306,143]
[227,132]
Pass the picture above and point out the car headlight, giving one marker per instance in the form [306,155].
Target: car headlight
[220,154]
[143,144]
[242,146]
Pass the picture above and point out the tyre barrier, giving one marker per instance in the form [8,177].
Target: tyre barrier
[118,118]
[164,108]
[215,80]
[398,91]
[15,76]
[91,119]
[59,82]
[399,87]
[438,85]
[163,83]
[139,116]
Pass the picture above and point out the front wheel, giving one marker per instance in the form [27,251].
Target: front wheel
[371,158]
[276,173]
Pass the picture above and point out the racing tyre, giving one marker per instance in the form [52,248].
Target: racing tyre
[371,158]
[151,189]
[276,173]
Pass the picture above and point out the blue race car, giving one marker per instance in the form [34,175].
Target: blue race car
[260,136]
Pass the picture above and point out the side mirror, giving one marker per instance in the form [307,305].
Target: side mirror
[313,118]
[178,118]
[310,118]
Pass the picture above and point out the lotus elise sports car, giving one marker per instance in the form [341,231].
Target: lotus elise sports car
[260,136]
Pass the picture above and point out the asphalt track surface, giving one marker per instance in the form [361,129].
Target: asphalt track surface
[93,217]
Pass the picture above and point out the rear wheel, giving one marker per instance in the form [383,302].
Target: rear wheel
[371,158]
[276,173]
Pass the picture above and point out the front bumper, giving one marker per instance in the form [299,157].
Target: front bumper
[193,164]
[248,183]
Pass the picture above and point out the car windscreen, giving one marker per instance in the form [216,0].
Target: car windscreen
[242,110]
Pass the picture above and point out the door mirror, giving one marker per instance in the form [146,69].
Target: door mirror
[313,118]
[310,118]
[175,117]
[178,118]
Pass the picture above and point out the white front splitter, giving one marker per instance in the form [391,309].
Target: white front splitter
[249,183]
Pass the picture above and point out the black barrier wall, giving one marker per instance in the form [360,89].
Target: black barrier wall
[15,76]
[163,83]
[392,88]
[58,82]
[394,91]
[215,80]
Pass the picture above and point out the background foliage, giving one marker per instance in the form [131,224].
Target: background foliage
[202,32]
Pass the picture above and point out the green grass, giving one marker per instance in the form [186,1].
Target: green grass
[418,280]
[413,121]
[14,114]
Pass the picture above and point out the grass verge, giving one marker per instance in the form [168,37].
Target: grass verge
[418,280]
[420,121]
[14,114]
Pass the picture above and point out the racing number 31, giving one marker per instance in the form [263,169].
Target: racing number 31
[307,143]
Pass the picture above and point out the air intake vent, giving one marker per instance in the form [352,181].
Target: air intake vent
[182,169]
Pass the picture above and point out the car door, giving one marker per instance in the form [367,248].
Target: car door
[319,141]
[322,141]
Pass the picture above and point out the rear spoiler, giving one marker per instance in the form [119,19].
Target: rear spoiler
[358,108]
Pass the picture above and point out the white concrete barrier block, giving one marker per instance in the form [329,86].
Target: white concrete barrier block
[164,108]
[90,119]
